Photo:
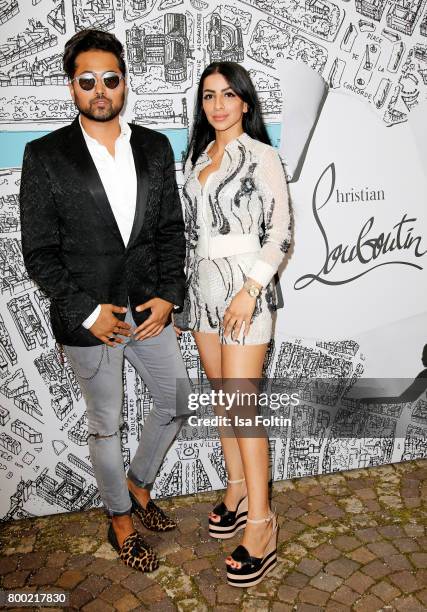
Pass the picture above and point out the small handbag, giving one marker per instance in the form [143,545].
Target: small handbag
[181,318]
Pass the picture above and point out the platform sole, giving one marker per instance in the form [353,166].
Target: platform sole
[248,580]
[224,533]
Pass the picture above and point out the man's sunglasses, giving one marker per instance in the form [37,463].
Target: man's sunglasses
[87,80]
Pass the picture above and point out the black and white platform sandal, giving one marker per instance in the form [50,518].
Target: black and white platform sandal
[253,569]
[231,520]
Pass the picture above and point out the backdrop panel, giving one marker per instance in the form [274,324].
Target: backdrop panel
[354,285]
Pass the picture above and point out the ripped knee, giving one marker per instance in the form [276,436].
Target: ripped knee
[168,420]
[98,436]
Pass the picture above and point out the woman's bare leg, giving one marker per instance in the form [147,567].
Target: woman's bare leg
[243,363]
[209,348]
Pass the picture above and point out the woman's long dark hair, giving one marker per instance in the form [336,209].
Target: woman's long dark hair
[240,82]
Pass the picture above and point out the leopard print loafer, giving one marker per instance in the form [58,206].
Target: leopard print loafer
[134,552]
[152,517]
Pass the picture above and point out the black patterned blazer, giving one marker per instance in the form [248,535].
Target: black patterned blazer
[71,243]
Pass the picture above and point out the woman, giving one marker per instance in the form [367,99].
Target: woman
[235,194]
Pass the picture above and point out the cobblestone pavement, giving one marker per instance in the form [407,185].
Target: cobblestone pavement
[353,540]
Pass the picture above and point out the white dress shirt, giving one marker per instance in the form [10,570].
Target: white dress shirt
[118,177]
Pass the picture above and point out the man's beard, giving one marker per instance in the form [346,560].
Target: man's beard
[108,113]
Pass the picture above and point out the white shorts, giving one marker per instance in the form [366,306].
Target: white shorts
[213,284]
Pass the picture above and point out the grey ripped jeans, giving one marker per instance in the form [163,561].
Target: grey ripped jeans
[99,370]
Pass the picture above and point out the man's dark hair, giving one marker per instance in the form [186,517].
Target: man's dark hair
[88,40]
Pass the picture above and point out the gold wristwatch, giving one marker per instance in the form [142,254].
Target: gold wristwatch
[252,289]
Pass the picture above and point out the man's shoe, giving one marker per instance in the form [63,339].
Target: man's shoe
[152,517]
[134,551]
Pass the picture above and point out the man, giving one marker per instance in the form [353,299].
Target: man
[102,235]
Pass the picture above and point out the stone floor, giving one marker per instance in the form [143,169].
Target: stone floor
[353,540]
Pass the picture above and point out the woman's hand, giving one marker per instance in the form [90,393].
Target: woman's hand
[239,311]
